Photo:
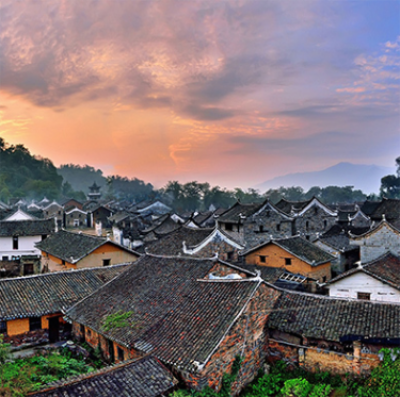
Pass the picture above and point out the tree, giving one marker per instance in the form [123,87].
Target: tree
[390,184]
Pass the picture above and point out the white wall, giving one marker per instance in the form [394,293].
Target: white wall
[26,246]
[361,282]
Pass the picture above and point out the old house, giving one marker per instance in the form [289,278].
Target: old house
[56,211]
[388,209]
[378,280]
[384,237]
[75,217]
[67,250]
[99,214]
[31,307]
[145,377]
[174,311]
[341,336]
[310,217]
[294,254]
[337,242]
[71,203]
[17,242]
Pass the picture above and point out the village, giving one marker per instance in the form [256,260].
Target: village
[171,299]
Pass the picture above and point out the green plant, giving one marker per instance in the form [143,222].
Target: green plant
[116,320]
[297,388]
[4,350]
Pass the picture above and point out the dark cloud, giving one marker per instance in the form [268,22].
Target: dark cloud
[208,113]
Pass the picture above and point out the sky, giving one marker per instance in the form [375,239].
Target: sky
[229,92]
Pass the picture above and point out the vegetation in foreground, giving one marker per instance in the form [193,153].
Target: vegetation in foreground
[384,381]
[18,377]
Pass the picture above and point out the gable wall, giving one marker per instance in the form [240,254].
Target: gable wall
[26,246]
[361,282]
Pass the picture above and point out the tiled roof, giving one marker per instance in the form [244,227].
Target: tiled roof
[146,377]
[269,274]
[288,206]
[174,316]
[304,250]
[26,228]
[172,244]
[388,207]
[386,268]
[239,210]
[339,229]
[334,319]
[72,247]
[369,207]
[43,294]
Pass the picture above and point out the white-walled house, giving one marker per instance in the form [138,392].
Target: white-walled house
[378,280]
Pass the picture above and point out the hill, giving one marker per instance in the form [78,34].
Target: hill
[363,177]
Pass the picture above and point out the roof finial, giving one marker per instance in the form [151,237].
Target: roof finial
[383,217]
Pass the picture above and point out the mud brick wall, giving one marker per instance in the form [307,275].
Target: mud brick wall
[28,338]
[222,248]
[245,339]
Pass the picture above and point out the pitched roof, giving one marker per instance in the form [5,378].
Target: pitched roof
[333,319]
[43,294]
[26,227]
[390,208]
[146,377]
[174,316]
[72,247]
[369,207]
[379,226]
[386,268]
[239,211]
[171,244]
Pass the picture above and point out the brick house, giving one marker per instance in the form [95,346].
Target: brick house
[294,254]
[75,217]
[174,311]
[341,336]
[31,307]
[67,250]
[384,237]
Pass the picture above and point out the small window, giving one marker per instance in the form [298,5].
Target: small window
[89,332]
[44,236]
[261,228]
[120,353]
[15,242]
[4,258]
[106,262]
[63,262]
[82,329]
[325,224]
[3,327]
[35,323]
[324,279]
[28,269]
[278,227]
[229,255]
[229,226]
[288,261]
[364,296]
[263,258]
[307,225]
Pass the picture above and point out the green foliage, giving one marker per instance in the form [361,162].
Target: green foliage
[390,184]
[4,350]
[21,376]
[116,320]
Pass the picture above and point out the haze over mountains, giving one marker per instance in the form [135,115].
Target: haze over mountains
[364,177]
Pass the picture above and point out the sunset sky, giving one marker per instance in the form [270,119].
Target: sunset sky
[229,92]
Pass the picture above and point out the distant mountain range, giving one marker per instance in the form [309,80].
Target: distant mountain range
[364,177]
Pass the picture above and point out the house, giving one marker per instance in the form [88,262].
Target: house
[67,250]
[388,209]
[384,237]
[310,217]
[151,208]
[145,377]
[18,239]
[336,241]
[253,224]
[31,307]
[71,203]
[355,218]
[322,333]
[54,210]
[378,280]
[19,215]
[294,254]
[194,315]
[75,217]
[99,214]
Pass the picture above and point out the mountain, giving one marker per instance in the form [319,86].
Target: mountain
[364,177]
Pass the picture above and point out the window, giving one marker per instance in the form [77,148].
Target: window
[44,236]
[278,227]
[261,228]
[3,327]
[106,262]
[307,225]
[28,269]
[35,323]
[325,224]
[288,261]
[120,353]
[63,262]
[324,279]
[364,296]
[229,255]
[228,226]
[4,258]
[263,258]
[15,242]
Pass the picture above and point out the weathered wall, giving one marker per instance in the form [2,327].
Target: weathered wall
[246,339]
